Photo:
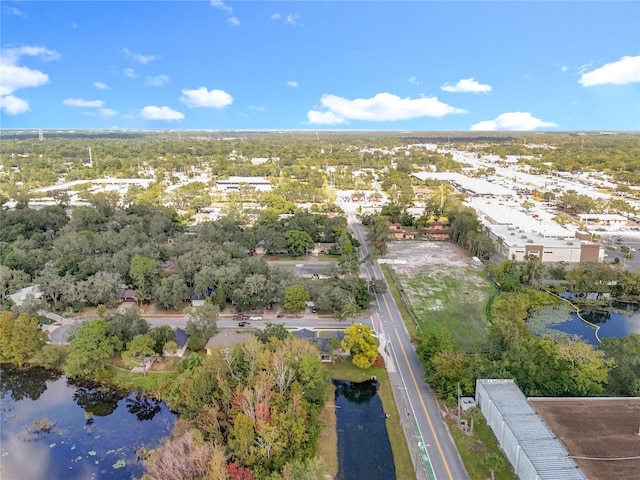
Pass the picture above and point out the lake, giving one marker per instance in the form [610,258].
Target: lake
[364,450]
[620,322]
[55,429]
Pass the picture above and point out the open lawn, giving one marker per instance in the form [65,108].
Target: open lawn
[480,451]
[443,289]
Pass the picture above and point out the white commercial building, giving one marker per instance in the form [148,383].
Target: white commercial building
[530,446]
[232,184]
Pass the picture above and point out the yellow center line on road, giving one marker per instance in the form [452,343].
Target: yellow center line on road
[424,407]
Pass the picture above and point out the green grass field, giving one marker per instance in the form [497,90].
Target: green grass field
[452,298]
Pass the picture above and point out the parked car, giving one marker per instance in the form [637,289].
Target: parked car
[243,324]
[240,317]
[255,318]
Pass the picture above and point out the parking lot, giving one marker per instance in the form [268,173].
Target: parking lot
[624,245]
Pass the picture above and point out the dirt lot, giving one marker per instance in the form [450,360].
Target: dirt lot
[443,288]
[597,428]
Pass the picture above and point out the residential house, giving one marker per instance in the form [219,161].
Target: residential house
[17,298]
[398,233]
[436,231]
[326,354]
[181,338]
[126,295]
[196,299]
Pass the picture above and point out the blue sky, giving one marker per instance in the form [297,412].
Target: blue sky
[361,65]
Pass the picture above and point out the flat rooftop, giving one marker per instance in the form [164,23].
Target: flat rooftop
[600,434]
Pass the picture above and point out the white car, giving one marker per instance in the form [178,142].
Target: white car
[255,318]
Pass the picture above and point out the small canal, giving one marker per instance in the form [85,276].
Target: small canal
[364,450]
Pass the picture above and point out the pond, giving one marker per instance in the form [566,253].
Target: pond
[623,320]
[55,429]
[364,450]
[620,320]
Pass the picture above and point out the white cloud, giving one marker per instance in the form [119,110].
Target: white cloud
[220,4]
[414,81]
[14,11]
[380,108]
[157,81]
[136,57]
[130,72]
[292,83]
[626,70]
[152,112]
[289,19]
[13,105]
[107,112]
[512,121]
[564,68]
[79,102]
[292,19]
[233,21]
[324,118]
[101,86]
[467,85]
[14,76]
[12,55]
[201,97]
[257,108]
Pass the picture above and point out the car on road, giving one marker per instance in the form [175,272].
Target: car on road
[243,324]
[240,317]
[314,310]
[255,318]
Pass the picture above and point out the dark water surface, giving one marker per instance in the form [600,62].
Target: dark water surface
[624,321]
[364,451]
[94,435]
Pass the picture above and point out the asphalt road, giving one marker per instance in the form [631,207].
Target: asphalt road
[59,335]
[436,456]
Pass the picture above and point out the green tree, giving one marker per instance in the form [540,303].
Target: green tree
[276,330]
[137,349]
[161,335]
[358,339]
[20,338]
[171,292]
[90,349]
[298,242]
[143,274]
[295,297]
[202,322]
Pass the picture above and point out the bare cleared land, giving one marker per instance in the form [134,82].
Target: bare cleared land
[443,288]
[600,433]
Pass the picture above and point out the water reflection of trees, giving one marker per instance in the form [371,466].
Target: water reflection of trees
[596,317]
[361,392]
[142,407]
[97,401]
[30,383]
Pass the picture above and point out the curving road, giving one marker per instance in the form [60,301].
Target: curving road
[432,448]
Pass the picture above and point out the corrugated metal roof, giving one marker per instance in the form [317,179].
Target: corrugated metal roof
[538,442]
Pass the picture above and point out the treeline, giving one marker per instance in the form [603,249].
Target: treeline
[82,259]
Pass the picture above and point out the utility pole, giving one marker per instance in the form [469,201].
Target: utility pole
[458,404]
